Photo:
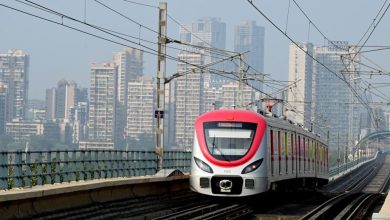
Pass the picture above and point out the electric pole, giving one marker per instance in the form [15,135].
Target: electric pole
[241,83]
[161,67]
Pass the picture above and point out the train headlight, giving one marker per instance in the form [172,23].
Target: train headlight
[202,165]
[252,167]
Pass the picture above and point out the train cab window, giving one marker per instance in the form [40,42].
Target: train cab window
[229,141]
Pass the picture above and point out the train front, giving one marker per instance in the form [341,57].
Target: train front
[229,154]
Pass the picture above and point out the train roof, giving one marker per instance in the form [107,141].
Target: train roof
[284,123]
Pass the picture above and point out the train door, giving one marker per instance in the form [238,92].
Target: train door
[312,147]
[311,156]
[300,159]
[322,159]
[308,155]
[279,153]
[304,153]
[283,160]
[292,153]
[316,159]
[325,158]
[272,151]
[287,152]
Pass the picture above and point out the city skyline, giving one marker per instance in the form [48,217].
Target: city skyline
[89,50]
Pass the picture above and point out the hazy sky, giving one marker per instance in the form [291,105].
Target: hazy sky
[60,53]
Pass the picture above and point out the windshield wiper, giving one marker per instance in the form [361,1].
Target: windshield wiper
[216,147]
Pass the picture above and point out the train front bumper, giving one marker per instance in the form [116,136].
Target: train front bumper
[233,186]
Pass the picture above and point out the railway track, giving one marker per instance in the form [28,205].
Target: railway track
[381,179]
[184,205]
[355,181]
[189,205]
[211,212]
[354,204]
[345,206]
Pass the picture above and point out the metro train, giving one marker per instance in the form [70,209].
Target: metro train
[242,153]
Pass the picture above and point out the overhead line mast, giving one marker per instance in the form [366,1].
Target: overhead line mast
[161,68]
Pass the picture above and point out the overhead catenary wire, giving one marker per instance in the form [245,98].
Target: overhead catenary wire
[218,72]
[101,29]
[122,44]
[373,24]
[142,4]
[331,42]
[310,55]
[103,38]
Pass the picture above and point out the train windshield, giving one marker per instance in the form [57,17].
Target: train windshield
[229,141]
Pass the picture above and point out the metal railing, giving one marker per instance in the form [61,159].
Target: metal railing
[26,169]
[19,169]
[336,170]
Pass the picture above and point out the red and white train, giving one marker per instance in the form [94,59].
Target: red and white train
[242,153]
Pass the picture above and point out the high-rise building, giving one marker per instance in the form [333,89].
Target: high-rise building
[51,103]
[140,111]
[249,39]
[300,76]
[3,106]
[130,67]
[212,98]
[79,119]
[65,98]
[21,131]
[206,32]
[190,89]
[189,97]
[61,99]
[230,99]
[170,114]
[81,95]
[102,102]
[333,99]
[14,67]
